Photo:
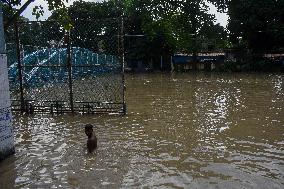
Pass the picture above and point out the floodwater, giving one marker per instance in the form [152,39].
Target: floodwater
[191,130]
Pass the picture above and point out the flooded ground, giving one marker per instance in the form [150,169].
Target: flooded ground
[181,131]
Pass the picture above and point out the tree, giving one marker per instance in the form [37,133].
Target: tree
[8,13]
[38,10]
[153,28]
[212,37]
[168,26]
[257,24]
[94,25]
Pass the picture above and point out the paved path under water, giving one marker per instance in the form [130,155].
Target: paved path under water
[182,131]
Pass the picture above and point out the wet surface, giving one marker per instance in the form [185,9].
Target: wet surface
[181,131]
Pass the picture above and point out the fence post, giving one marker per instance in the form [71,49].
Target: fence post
[69,65]
[123,64]
[20,67]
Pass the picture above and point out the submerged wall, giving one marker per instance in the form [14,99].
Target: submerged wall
[6,129]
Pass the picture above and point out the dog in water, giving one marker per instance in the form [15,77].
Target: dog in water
[92,139]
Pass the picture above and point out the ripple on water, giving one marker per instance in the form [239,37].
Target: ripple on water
[181,131]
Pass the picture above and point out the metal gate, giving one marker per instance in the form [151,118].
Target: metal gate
[52,70]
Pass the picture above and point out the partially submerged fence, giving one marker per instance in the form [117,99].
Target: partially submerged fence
[57,71]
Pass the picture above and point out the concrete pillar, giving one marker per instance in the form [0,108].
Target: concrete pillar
[6,131]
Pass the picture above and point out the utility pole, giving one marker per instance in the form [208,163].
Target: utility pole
[6,130]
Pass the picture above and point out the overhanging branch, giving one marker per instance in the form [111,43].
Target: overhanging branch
[17,14]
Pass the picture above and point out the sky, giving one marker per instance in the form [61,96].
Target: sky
[221,18]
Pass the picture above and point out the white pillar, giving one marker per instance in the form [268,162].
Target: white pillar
[6,129]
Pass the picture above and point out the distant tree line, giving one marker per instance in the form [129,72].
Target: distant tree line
[256,27]
[257,24]
[156,29]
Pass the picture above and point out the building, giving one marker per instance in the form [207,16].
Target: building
[203,61]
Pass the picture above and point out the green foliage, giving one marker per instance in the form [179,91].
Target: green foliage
[257,24]
[37,10]
[164,27]
[63,18]
[8,12]
[171,26]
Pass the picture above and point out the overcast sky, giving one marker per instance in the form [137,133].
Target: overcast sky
[220,17]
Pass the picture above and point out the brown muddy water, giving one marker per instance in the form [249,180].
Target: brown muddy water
[181,131]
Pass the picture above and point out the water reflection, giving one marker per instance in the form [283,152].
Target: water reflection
[181,131]
[8,173]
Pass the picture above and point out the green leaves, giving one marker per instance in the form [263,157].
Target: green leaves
[56,4]
[259,23]
[167,26]
[38,11]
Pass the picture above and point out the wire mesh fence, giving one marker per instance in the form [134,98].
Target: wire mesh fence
[54,70]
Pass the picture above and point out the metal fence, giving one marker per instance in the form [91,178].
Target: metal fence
[58,71]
